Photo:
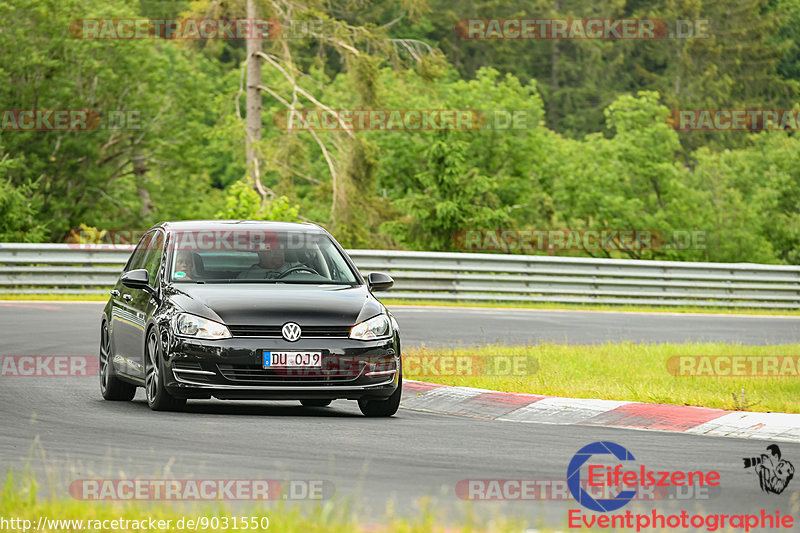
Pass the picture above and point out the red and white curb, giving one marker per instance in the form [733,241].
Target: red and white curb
[534,408]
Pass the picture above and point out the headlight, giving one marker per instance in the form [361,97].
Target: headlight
[200,328]
[374,328]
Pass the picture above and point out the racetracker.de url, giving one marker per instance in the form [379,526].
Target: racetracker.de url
[194,523]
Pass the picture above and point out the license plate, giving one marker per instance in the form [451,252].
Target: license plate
[292,359]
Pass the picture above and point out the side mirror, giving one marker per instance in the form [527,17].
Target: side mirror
[139,279]
[378,281]
[136,279]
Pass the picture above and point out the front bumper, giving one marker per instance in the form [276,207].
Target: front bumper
[232,369]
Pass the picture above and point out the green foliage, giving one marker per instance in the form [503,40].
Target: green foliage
[243,203]
[630,180]
[594,149]
[451,197]
[19,210]
[151,98]
[752,199]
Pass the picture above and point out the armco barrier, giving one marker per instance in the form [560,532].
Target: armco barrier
[62,268]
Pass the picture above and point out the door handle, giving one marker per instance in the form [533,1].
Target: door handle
[127,297]
[115,293]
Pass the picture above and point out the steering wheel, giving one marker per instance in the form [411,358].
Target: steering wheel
[298,268]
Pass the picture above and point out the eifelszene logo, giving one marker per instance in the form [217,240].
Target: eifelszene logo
[628,477]
[774,473]
[574,477]
[611,470]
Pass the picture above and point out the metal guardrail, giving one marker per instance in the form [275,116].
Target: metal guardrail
[64,268]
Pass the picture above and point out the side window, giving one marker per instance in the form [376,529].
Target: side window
[138,255]
[154,253]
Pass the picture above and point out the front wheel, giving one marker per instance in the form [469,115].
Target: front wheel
[111,387]
[157,396]
[382,408]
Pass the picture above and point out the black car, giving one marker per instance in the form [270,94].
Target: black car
[248,310]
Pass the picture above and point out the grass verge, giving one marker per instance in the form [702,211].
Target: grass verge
[20,503]
[56,297]
[614,371]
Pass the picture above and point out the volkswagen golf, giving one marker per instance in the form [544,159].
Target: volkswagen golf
[248,310]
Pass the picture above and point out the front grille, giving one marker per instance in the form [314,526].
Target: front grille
[328,332]
[255,374]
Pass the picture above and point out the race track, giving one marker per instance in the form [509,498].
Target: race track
[369,461]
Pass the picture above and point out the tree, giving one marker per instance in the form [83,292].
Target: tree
[451,197]
[244,203]
[145,148]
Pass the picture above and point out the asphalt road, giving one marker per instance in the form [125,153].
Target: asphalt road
[65,431]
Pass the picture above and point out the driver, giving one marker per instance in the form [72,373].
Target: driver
[271,264]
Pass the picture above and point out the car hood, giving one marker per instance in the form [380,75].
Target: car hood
[275,304]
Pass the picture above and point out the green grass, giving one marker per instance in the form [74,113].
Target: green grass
[56,297]
[622,371]
[591,307]
[20,500]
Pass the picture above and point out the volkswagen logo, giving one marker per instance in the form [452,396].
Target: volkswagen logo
[290,331]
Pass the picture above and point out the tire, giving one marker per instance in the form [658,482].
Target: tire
[383,408]
[157,396]
[316,403]
[111,387]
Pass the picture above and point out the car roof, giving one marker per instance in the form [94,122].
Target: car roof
[230,225]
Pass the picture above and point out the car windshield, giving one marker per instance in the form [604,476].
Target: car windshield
[256,256]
